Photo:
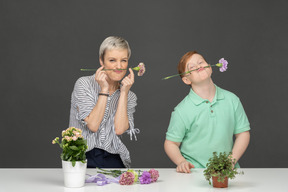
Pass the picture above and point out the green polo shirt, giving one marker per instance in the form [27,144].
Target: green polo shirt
[203,127]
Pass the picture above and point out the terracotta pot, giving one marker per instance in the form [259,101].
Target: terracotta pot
[217,184]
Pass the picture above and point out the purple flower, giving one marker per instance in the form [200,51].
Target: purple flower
[127,178]
[145,178]
[154,175]
[224,63]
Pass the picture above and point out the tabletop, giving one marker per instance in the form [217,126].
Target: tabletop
[51,180]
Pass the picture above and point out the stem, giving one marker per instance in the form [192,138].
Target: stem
[112,69]
[186,72]
[88,69]
[104,69]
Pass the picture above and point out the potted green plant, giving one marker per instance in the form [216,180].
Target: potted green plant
[73,156]
[221,168]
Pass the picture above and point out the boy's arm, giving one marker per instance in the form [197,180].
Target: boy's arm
[240,145]
[173,152]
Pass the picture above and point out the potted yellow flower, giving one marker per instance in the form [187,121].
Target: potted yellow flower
[73,156]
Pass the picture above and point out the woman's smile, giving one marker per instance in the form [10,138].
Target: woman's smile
[118,71]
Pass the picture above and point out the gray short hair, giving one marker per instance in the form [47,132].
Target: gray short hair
[113,42]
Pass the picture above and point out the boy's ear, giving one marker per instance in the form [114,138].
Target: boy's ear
[186,80]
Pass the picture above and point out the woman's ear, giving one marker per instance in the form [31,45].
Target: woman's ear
[101,62]
[186,81]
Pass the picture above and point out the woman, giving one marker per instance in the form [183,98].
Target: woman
[205,120]
[102,106]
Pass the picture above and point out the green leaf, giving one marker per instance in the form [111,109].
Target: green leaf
[73,147]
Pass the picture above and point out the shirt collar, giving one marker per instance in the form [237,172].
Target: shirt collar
[197,100]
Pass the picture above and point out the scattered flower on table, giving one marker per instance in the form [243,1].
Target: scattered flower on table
[145,178]
[154,175]
[128,177]
[222,64]
[135,174]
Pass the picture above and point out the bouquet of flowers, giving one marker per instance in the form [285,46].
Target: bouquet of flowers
[73,145]
[128,177]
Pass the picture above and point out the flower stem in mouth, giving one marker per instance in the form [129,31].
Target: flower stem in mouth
[113,69]
[186,72]
[102,69]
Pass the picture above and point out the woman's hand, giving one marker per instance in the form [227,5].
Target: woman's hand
[100,77]
[127,82]
[184,167]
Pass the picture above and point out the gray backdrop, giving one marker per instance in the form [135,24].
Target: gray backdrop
[45,43]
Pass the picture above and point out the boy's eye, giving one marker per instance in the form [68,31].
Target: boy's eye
[111,60]
[191,67]
[124,60]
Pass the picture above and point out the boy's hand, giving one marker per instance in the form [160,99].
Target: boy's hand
[184,167]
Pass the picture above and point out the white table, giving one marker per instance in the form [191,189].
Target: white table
[51,180]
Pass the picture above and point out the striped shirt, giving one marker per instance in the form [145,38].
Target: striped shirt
[84,98]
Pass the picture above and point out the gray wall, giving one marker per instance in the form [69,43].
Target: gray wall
[45,43]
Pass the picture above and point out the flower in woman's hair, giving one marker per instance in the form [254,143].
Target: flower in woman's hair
[140,68]
[126,178]
[134,173]
[223,64]
[145,178]
[154,175]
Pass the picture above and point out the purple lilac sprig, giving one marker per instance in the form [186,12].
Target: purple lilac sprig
[222,64]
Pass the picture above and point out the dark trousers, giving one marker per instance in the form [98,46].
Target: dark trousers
[102,159]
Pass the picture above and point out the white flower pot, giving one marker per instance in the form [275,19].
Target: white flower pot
[74,176]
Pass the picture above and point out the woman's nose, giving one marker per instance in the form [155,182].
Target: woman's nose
[119,65]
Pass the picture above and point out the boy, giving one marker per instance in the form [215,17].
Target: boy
[205,120]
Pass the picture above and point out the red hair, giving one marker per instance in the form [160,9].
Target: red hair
[182,63]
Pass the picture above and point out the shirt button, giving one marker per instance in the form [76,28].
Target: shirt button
[206,101]
[211,111]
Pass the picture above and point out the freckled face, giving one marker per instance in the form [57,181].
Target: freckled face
[115,59]
[196,61]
